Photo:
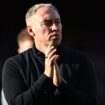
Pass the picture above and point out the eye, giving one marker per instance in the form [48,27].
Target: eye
[57,21]
[47,23]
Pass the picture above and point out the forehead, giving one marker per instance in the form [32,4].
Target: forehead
[47,13]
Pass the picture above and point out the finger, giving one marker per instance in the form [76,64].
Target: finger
[52,53]
[49,50]
[52,59]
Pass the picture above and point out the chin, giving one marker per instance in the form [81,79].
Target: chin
[55,42]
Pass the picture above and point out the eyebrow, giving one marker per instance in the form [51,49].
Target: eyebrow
[46,20]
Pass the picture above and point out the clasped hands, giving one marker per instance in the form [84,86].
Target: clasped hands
[51,67]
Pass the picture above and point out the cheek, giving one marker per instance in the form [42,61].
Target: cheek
[60,27]
[44,34]
[40,31]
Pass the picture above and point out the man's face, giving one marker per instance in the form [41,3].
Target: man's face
[47,27]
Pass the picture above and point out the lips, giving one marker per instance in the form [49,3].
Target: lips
[55,36]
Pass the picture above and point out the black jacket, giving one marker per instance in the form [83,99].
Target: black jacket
[25,84]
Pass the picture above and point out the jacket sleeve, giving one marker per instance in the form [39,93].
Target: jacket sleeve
[82,89]
[16,91]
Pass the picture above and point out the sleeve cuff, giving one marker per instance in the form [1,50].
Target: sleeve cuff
[44,82]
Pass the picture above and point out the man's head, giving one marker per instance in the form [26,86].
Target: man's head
[44,24]
[24,41]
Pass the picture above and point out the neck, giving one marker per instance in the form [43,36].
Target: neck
[41,48]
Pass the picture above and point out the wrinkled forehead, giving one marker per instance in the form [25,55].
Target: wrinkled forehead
[45,12]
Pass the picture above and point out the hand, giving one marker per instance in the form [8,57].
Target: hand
[56,75]
[51,67]
[49,61]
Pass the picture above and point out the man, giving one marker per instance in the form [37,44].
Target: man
[49,73]
[24,42]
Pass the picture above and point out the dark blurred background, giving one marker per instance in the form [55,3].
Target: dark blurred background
[83,29]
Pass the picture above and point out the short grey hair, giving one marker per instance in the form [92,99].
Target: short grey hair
[31,11]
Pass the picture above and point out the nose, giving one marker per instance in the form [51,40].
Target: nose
[54,26]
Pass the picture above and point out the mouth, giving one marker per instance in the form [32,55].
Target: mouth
[55,36]
[55,39]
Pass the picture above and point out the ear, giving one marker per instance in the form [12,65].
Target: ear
[30,31]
